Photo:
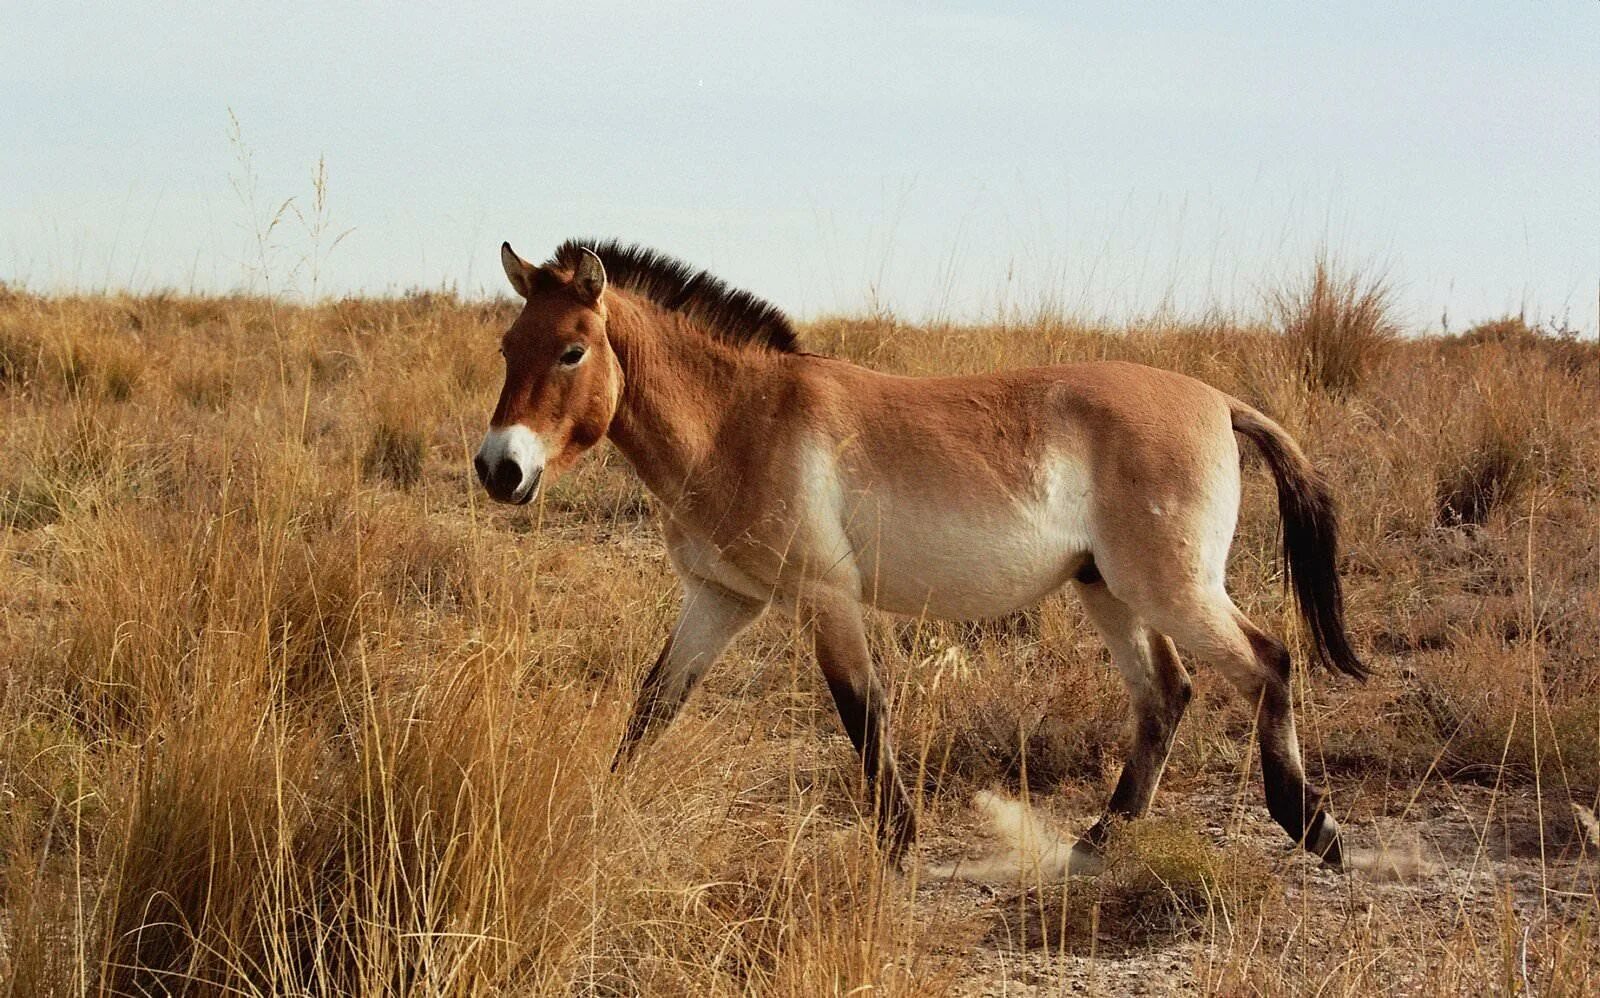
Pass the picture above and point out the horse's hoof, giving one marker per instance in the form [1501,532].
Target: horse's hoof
[1325,842]
[1085,860]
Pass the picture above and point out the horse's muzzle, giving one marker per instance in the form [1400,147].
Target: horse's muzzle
[504,481]
[510,463]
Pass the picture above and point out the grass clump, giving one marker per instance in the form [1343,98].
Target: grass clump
[1162,879]
[368,881]
[205,382]
[28,504]
[1485,478]
[1340,324]
[397,444]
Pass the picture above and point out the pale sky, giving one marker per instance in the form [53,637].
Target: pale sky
[950,159]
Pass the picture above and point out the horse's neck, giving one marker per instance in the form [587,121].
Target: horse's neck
[679,388]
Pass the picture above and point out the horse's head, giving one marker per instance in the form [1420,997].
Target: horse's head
[562,378]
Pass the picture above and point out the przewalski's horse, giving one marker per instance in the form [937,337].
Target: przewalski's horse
[818,485]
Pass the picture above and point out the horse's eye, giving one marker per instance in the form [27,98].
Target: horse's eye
[571,355]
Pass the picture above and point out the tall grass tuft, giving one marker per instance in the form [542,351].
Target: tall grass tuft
[1339,322]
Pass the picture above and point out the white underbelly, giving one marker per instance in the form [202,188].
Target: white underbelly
[920,559]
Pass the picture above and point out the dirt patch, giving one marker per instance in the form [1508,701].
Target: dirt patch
[1467,867]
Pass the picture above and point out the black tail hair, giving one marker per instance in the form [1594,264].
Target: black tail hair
[1310,539]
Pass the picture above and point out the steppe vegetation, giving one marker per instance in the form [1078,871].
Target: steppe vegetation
[288,708]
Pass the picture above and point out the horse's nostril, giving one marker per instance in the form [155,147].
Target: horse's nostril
[507,476]
[482,468]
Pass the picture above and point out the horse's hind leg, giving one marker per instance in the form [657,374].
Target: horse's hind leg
[1258,666]
[1158,692]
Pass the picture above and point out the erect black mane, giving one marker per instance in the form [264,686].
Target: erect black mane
[727,313]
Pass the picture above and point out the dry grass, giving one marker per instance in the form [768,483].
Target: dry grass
[1162,878]
[290,710]
[1338,323]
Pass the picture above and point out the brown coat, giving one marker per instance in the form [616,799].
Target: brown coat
[812,483]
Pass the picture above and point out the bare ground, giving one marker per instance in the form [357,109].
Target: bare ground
[1467,855]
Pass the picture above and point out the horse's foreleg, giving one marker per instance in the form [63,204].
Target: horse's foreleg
[841,645]
[711,617]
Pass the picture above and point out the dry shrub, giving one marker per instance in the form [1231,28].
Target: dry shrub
[210,829]
[25,358]
[1161,879]
[118,366]
[1561,347]
[476,373]
[1339,322]
[465,849]
[1493,473]
[1524,424]
[206,381]
[1498,451]
[28,504]
[74,458]
[1508,329]
[1503,714]
[395,452]
[43,349]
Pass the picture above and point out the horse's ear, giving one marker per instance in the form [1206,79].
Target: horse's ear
[518,271]
[589,279]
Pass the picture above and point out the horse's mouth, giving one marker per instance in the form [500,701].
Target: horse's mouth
[529,492]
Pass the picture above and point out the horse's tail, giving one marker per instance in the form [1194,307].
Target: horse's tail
[1310,537]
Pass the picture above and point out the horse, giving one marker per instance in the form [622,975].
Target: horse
[812,484]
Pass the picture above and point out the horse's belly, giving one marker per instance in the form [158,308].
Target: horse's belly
[962,565]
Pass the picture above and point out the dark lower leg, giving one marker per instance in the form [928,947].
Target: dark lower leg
[1136,785]
[1294,804]
[660,697]
[1157,713]
[862,715]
